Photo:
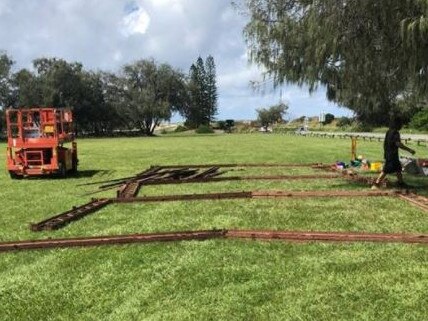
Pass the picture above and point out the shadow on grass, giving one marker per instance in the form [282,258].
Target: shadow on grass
[79,174]
[91,173]
[418,183]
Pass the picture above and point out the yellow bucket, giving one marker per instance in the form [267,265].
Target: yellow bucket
[376,166]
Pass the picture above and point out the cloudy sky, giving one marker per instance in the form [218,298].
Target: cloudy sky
[105,34]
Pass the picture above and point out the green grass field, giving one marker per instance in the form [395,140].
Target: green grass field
[217,279]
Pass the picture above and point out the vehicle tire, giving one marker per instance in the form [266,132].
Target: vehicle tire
[62,172]
[13,175]
[74,164]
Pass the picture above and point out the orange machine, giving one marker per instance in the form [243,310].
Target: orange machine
[36,138]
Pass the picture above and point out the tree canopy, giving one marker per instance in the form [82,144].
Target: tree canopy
[140,96]
[271,115]
[202,104]
[56,82]
[328,119]
[150,92]
[369,54]
[5,78]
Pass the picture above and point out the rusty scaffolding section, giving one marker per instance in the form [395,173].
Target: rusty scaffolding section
[127,190]
[291,236]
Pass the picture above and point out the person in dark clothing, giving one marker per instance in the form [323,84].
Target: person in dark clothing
[392,161]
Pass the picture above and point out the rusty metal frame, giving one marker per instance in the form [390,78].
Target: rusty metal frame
[254,195]
[241,178]
[128,192]
[291,236]
[417,200]
[76,213]
[231,165]
[130,186]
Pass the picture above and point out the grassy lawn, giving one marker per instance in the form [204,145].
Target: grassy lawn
[217,279]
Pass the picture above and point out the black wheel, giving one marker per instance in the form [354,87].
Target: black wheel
[62,172]
[74,163]
[13,175]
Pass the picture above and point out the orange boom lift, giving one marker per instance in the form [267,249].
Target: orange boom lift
[36,138]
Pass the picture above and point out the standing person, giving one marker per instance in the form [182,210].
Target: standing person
[392,162]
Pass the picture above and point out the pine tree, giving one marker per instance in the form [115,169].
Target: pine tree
[202,104]
[193,112]
[211,88]
[203,93]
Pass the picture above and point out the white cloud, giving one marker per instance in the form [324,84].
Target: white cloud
[4,8]
[135,22]
[238,77]
[166,3]
[117,56]
[106,34]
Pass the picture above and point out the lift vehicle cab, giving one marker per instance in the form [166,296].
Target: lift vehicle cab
[36,142]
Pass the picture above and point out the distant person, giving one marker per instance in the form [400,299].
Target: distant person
[392,161]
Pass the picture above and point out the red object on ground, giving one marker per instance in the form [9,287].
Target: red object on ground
[36,138]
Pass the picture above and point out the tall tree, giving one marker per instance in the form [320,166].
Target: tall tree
[202,106]
[414,30]
[2,121]
[5,79]
[271,115]
[95,114]
[27,89]
[114,98]
[211,89]
[56,82]
[359,49]
[150,92]
[61,81]
[194,109]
